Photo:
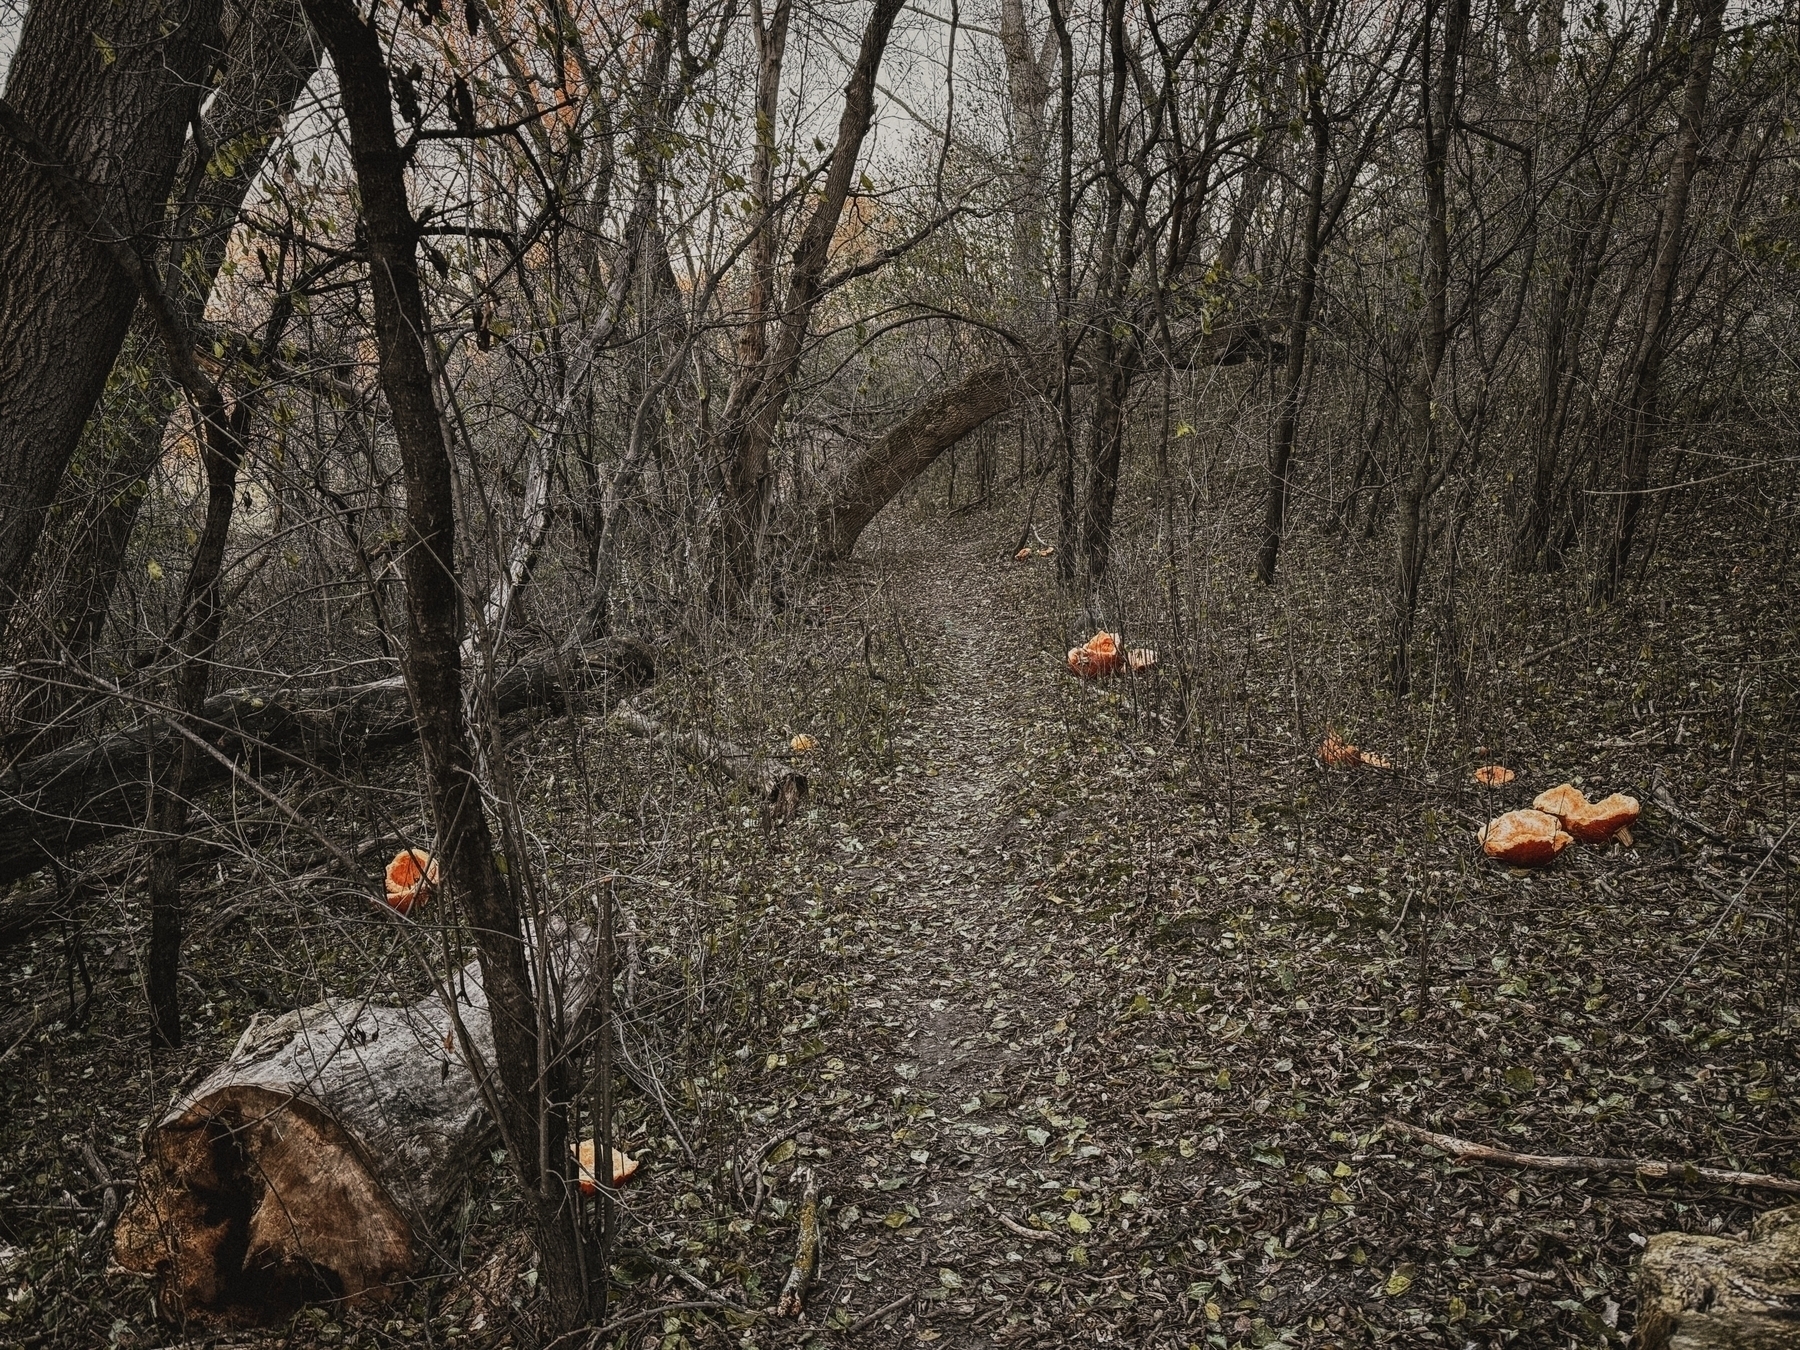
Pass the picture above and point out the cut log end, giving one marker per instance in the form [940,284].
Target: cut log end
[1697,1291]
[253,1202]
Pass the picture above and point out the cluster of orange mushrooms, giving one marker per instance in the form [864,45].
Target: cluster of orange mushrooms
[1556,819]
[1529,838]
[1101,657]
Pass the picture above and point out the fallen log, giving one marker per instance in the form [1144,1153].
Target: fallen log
[1650,1169]
[780,790]
[1697,1291]
[55,804]
[318,1160]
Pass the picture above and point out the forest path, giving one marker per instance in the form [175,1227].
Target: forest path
[954,1022]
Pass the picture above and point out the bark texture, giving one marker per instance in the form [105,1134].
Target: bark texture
[109,90]
[1697,1292]
[269,59]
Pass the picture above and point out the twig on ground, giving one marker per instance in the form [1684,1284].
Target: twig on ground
[869,1319]
[1029,1234]
[806,1253]
[1713,932]
[1466,1151]
[686,1276]
[1530,659]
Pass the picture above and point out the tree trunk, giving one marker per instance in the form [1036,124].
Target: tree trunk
[1659,303]
[1439,112]
[270,57]
[108,89]
[758,398]
[1696,1291]
[910,447]
[533,1094]
[317,1162]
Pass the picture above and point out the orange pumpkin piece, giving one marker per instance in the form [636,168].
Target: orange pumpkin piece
[622,1166]
[1524,838]
[1597,822]
[1373,760]
[1022,554]
[1337,752]
[803,744]
[1494,775]
[1562,800]
[411,876]
[1098,657]
[1141,660]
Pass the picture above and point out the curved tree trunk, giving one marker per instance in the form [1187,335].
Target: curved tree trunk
[109,89]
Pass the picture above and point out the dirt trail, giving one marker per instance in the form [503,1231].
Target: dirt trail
[948,1011]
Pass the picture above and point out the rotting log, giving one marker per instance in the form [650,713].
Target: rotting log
[80,793]
[319,1160]
[781,790]
[1699,1292]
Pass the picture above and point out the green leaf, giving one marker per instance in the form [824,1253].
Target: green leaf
[897,1218]
[1520,1079]
[1397,1284]
[1078,1222]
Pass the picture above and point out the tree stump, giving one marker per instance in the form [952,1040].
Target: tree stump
[1697,1292]
[318,1160]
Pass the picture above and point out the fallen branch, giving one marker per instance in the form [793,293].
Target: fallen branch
[83,792]
[806,1255]
[1530,659]
[781,790]
[1464,1150]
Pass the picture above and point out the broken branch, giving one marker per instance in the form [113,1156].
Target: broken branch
[1464,1150]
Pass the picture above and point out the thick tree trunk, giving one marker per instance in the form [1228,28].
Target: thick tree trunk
[270,57]
[1697,1292]
[317,1162]
[911,446]
[533,1093]
[108,89]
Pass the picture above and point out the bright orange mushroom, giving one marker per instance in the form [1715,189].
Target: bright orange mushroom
[622,1166]
[411,877]
[1524,838]
[1337,752]
[1598,822]
[1562,800]
[1098,657]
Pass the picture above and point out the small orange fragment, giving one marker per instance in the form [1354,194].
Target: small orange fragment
[1022,554]
[1494,775]
[622,1166]
[1336,751]
[411,876]
[1373,760]
[1524,838]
